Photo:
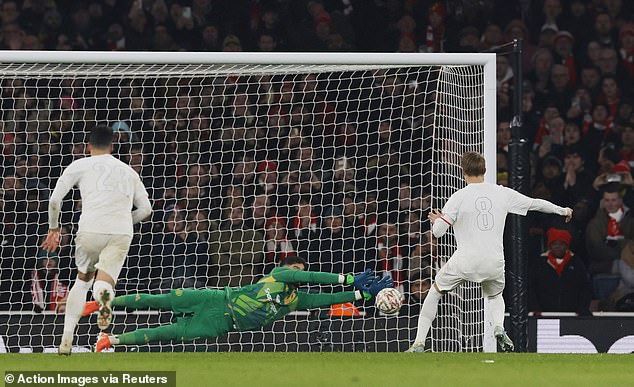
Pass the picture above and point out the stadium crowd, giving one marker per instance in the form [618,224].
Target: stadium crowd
[237,188]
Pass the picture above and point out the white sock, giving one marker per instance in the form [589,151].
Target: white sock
[496,306]
[75,305]
[99,287]
[427,314]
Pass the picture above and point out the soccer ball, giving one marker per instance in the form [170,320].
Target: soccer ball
[389,301]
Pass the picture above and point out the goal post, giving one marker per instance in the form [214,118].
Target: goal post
[249,157]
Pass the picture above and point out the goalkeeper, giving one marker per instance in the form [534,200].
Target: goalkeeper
[214,312]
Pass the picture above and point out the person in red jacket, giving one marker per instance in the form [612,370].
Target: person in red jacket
[558,279]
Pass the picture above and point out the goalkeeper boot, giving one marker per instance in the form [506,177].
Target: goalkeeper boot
[66,346]
[103,342]
[105,310]
[90,308]
[503,339]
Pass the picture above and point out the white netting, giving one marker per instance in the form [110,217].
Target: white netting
[245,164]
[459,128]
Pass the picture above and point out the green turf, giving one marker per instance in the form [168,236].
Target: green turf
[350,369]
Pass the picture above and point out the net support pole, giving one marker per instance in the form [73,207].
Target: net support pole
[518,230]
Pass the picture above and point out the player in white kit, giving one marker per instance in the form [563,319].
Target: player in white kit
[109,189]
[477,213]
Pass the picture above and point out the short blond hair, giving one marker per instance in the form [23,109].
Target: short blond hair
[473,164]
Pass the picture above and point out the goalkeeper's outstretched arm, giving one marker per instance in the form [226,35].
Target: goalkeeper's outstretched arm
[319,300]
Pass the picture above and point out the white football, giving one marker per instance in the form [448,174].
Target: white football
[389,301]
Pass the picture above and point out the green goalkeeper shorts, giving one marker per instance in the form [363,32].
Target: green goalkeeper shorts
[207,312]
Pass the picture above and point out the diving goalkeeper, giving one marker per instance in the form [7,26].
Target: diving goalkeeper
[214,312]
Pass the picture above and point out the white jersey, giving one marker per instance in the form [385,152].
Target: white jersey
[478,214]
[109,188]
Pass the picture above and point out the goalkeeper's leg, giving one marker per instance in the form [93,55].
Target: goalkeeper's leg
[144,301]
[140,336]
[208,325]
[178,301]
[134,301]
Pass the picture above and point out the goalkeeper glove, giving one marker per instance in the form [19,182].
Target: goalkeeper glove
[360,281]
[378,284]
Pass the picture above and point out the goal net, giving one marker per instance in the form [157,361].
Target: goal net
[247,159]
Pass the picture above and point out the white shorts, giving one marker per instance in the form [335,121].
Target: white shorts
[104,252]
[450,276]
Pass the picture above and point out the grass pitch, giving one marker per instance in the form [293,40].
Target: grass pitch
[349,369]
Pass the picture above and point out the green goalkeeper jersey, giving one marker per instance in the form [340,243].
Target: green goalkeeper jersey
[275,296]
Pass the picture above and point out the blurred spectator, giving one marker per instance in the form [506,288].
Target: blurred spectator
[580,105]
[411,231]
[333,251]
[266,43]
[267,177]
[260,209]
[553,179]
[469,39]
[627,144]
[231,43]
[503,135]
[558,279]
[276,246]
[210,39]
[504,80]
[626,51]
[492,36]
[236,251]
[563,44]
[435,33]
[603,28]
[547,36]
[171,267]
[590,79]
[599,131]
[550,16]
[609,231]
[419,285]
[342,180]
[560,92]
[577,180]
[609,63]
[391,260]
[197,238]
[516,29]
[48,291]
[539,76]
[572,135]
[622,300]
[303,226]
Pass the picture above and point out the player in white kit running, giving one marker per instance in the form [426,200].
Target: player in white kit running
[477,213]
[109,189]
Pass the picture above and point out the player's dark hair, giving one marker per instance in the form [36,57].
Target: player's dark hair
[293,259]
[473,164]
[101,137]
